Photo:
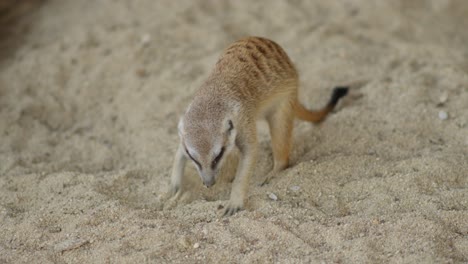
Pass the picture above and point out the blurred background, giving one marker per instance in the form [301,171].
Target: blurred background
[121,65]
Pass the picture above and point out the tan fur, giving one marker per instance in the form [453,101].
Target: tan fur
[253,78]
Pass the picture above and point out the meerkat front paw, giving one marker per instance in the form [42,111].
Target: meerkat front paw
[268,178]
[174,189]
[265,182]
[233,207]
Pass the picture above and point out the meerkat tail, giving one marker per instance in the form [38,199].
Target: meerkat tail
[320,115]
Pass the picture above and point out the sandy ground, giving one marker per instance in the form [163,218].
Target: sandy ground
[91,92]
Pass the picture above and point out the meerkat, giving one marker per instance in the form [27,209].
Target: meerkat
[253,78]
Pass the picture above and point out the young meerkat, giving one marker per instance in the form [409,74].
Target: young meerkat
[254,78]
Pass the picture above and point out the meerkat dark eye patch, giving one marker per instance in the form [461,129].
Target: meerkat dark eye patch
[194,160]
[218,158]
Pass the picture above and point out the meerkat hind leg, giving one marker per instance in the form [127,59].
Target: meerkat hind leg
[280,122]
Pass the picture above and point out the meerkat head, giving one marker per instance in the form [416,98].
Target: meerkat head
[207,141]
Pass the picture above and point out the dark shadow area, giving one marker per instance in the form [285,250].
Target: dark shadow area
[15,22]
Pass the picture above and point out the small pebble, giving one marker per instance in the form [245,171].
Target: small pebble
[145,39]
[184,242]
[54,229]
[196,245]
[273,196]
[70,244]
[443,98]
[141,73]
[295,188]
[443,115]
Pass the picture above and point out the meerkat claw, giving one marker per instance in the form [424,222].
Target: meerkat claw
[265,182]
[230,210]
[268,178]
[174,190]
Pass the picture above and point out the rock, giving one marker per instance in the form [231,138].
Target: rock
[443,115]
[184,242]
[70,244]
[196,245]
[273,196]
[145,39]
[54,229]
[443,98]
[295,188]
[142,73]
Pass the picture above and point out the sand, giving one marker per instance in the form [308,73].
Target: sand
[90,96]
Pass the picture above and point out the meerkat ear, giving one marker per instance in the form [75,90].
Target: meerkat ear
[180,127]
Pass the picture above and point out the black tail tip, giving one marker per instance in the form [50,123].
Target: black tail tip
[338,92]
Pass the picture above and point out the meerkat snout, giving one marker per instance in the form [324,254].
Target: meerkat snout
[207,145]
[209,182]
